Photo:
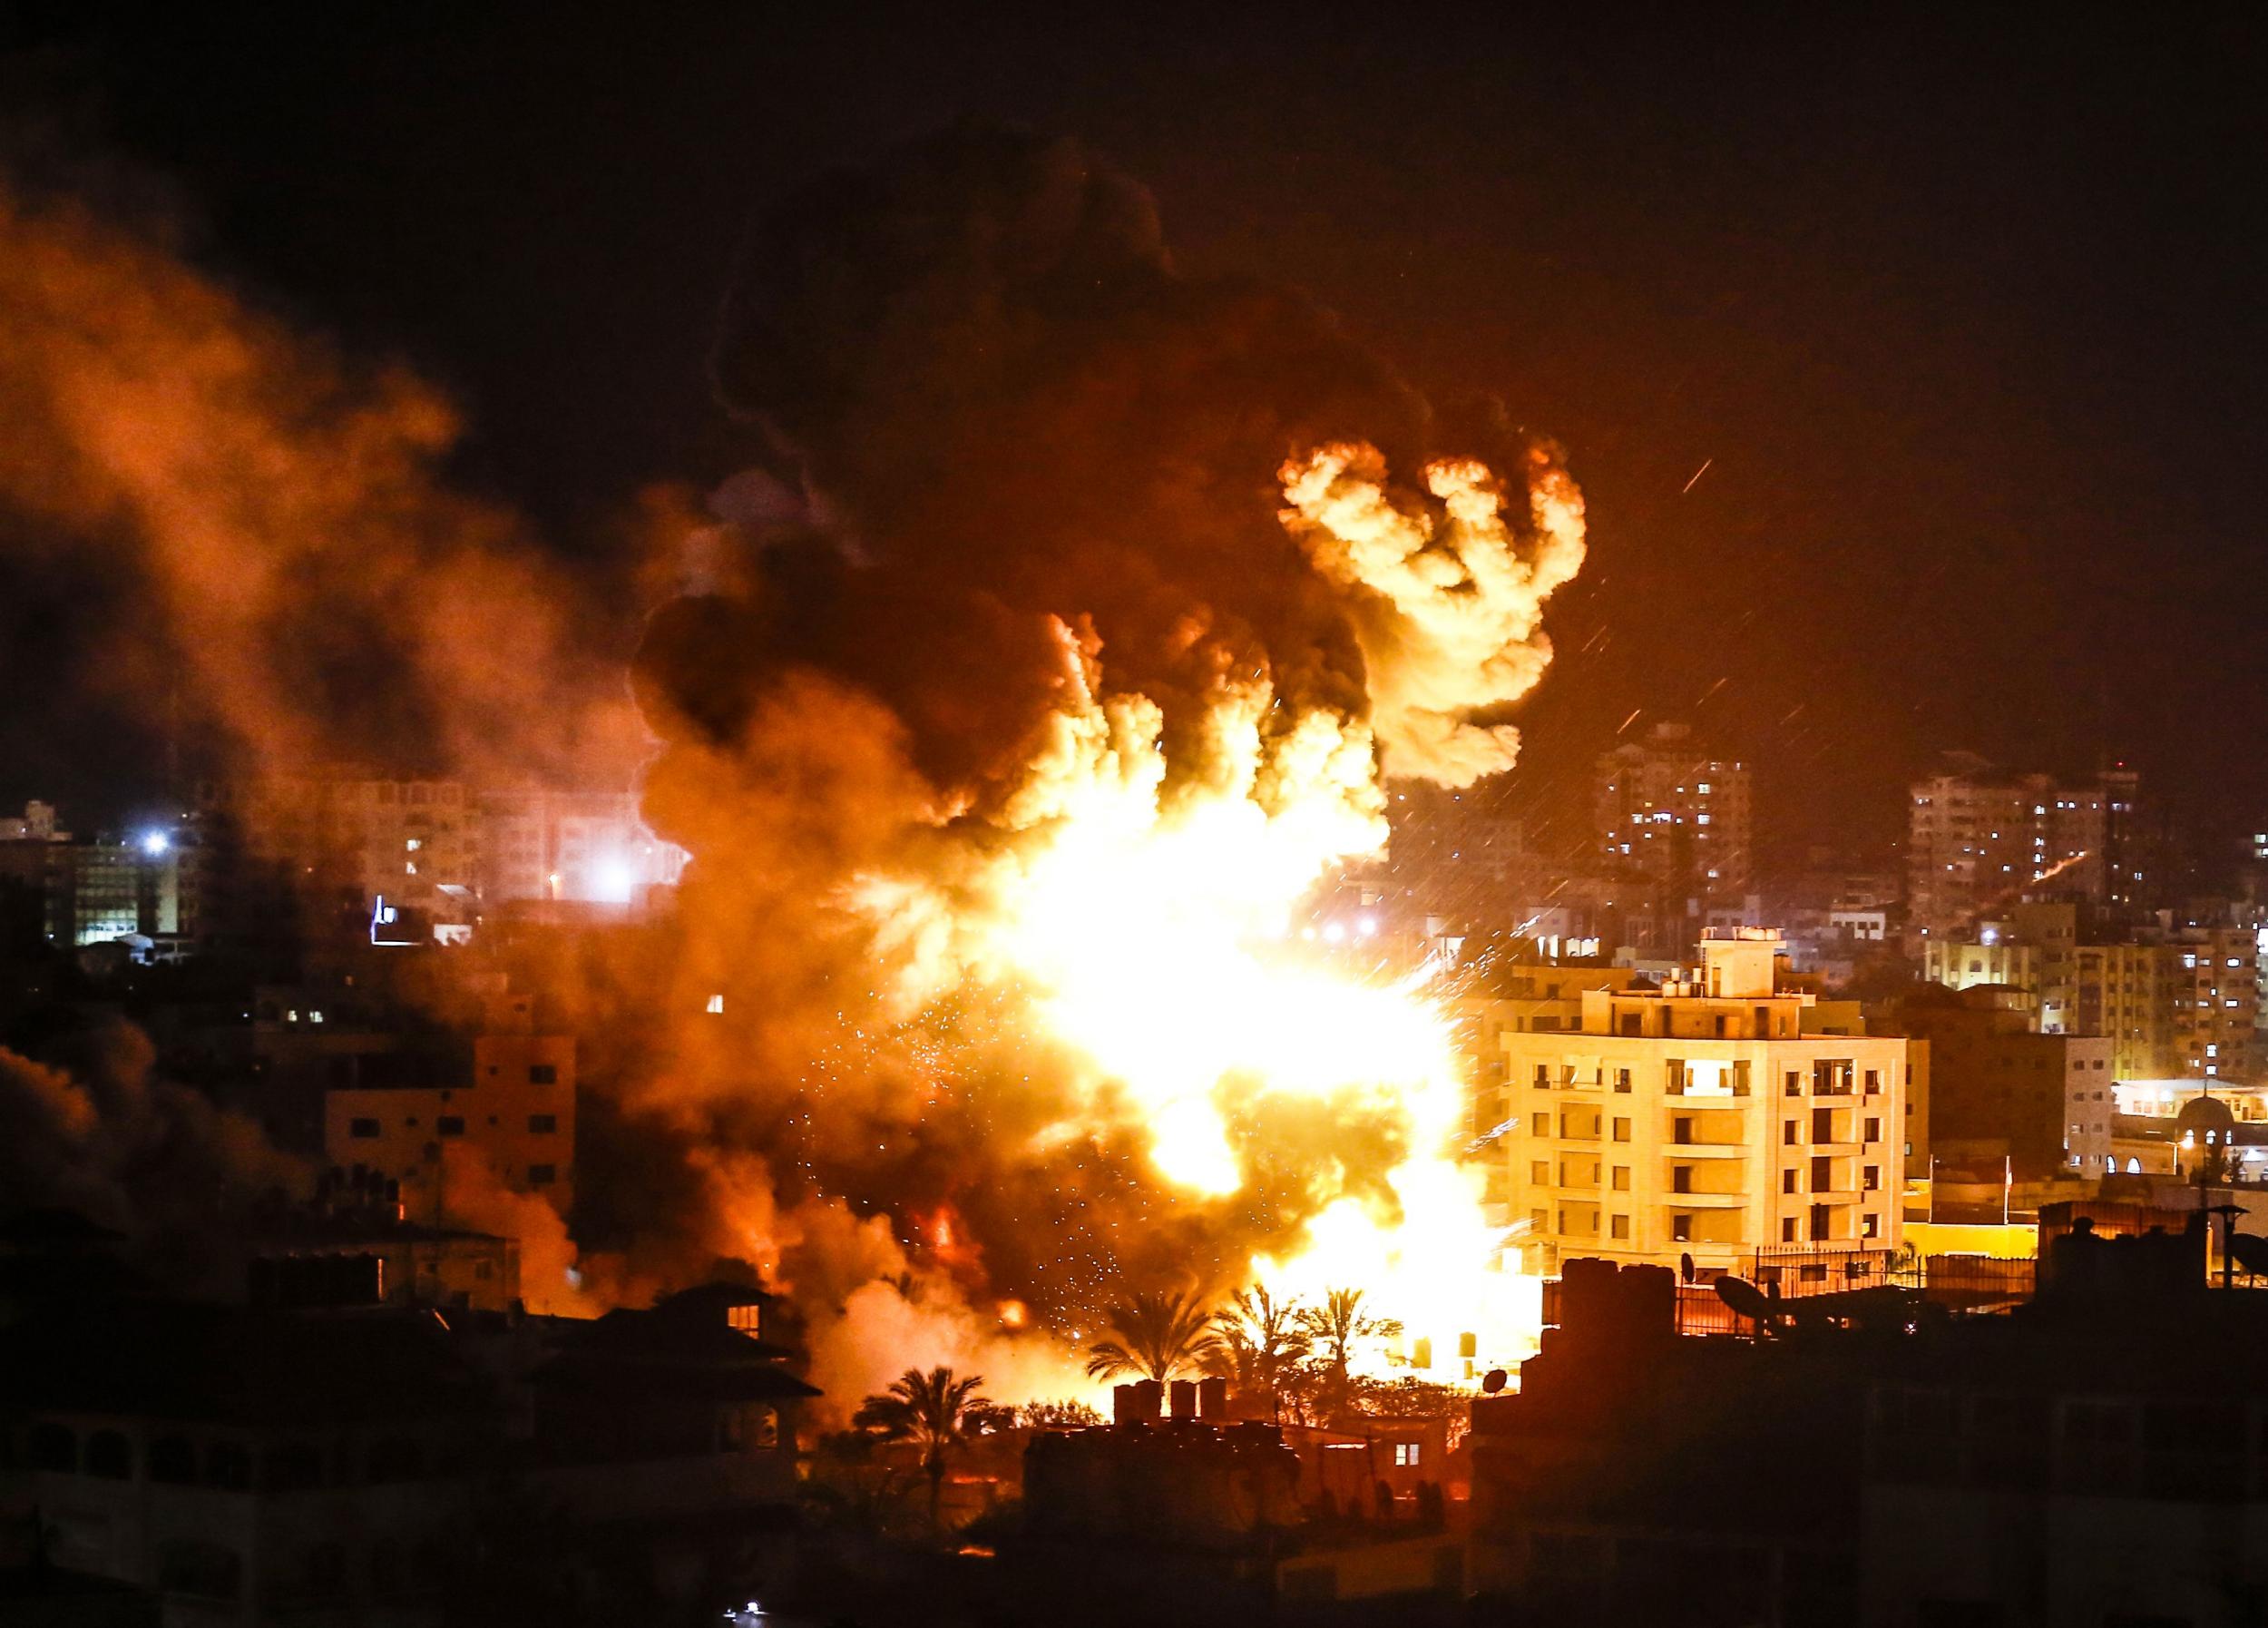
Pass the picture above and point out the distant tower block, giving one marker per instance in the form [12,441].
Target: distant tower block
[1212,1397]
[1184,1398]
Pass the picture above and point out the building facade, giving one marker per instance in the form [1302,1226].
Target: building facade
[1705,1120]
[420,1117]
[1977,838]
[1670,820]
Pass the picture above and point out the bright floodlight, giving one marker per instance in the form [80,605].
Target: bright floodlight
[155,842]
[614,882]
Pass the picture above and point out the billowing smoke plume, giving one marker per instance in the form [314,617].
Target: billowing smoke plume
[1054,645]
[96,1131]
[285,560]
[1076,607]
[253,537]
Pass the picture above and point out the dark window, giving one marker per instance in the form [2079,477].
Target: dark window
[291,1466]
[1681,1130]
[1681,1177]
[542,1124]
[1787,1180]
[364,1128]
[542,1074]
[1622,1130]
[1794,1083]
[1681,1228]
[1631,1024]
[449,1124]
[228,1466]
[1622,1080]
[1787,1227]
[1822,1174]
[1543,1076]
[1823,1124]
[542,1175]
[173,1461]
[1822,1216]
[110,1455]
[1873,1129]
[1873,1178]
[1788,1129]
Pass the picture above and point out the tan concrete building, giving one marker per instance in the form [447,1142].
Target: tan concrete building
[513,1109]
[1703,1119]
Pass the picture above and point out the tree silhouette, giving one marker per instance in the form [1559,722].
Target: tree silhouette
[1259,1343]
[936,1410]
[1158,1335]
[1335,1324]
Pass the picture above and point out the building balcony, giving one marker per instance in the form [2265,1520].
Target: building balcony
[1718,1102]
[1705,1150]
[1704,1201]
[1835,1195]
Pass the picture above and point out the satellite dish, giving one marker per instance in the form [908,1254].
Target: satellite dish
[1494,1380]
[1745,1299]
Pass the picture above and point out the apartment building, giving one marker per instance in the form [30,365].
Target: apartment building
[1978,838]
[2000,1090]
[1706,1118]
[427,1118]
[1670,828]
[2214,978]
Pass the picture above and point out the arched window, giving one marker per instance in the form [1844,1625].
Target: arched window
[229,1466]
[52,1447]
[292,1466]
[173,1461]
[110,1455]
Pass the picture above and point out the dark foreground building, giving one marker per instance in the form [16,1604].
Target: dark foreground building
[366,1463]
[2097,1458]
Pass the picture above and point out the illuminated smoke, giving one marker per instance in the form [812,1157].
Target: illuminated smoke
[1054,674]
[289,560]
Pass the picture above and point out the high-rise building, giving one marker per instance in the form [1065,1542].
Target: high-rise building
[1670,823]
[2215,985]
[1710,1118]
[1458,859]
[1978,839]
[541,843]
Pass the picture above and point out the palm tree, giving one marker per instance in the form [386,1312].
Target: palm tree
[1336,1324]
[1257,1342]
[937,1410]
[1158,1335]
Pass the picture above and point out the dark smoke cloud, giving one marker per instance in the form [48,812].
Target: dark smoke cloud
[985,398]
[97,1131]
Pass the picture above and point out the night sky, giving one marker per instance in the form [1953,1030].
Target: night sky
[1966,325]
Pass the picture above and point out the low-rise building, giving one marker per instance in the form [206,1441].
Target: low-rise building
[2001,1091]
